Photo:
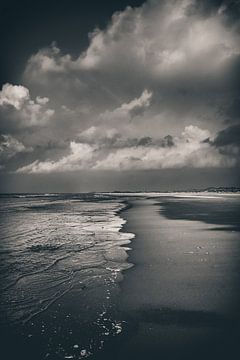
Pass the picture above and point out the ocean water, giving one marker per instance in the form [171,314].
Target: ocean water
[61,246]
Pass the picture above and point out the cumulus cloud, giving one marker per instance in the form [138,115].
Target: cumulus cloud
[17,106]
[158,38]
[42,100]
[81,156]
[10,146]
[99,134]
[47,60]
[138,105]
[189,149]
[150,73]
[35,114]
[181,53]
[127,111]
[14,95]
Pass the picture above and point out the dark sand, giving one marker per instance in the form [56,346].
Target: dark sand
[182,294]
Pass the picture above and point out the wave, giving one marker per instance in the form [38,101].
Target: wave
[73,243]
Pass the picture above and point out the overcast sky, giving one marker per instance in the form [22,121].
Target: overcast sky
[119,95]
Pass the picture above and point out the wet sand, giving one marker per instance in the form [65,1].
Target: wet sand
[182,294]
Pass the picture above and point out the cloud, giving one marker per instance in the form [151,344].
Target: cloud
[49,60]
[42,100]
[81,156]
[126,102]
[35,114]
[127,111]
[17,106]
[187,150]
[227,141]
[182,52]
[228,136]
[14,95]
[10,146]
[138,105]
[194,134]
[159,38]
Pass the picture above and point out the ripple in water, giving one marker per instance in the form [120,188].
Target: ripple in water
[61,259]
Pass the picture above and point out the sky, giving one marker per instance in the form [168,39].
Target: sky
[119,95]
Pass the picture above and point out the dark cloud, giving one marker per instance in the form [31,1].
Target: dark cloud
[233,112]
[204,7]
[229,9]
[232,13]
[145,141]
[228,136]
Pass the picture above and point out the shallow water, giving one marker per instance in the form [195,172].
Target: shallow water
[54,246]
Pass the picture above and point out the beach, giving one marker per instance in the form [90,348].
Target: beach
[182,292]
[158,277]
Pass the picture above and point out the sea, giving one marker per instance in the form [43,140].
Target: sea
[55,245]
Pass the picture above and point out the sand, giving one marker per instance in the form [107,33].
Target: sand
[182,293]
